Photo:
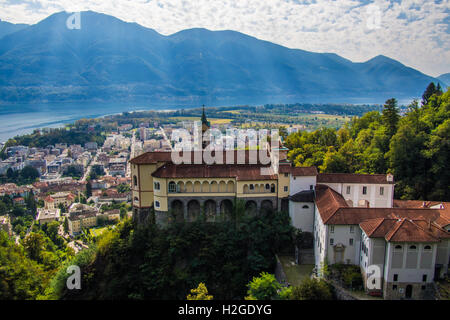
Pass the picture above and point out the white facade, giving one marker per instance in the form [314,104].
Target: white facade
[377,195]
[302,215]
[301,183]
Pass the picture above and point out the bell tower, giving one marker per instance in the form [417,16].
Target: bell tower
[205,127]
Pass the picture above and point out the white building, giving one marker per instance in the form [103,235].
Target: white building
[354,221]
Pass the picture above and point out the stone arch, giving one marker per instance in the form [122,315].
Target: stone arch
[222,186]
[189,187]
[197,186]
[273,188]
[193,210]
[177,210]
[214,187]
[246,189]
[210,210]
[172,187]
[180,186]
[251,207]
[266,205]
[230,186]
[205,186]
[226,208]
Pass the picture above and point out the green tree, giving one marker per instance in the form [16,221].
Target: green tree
[264,287]
[199,293]
[390,116]
[429,91]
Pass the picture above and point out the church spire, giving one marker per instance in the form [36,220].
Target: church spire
[205,122]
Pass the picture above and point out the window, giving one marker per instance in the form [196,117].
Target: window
[286,175]
[364,190]
[352,229]
[424,278]
[157,204]
[286,189]
[135,180]
[381,191]
[252,187]
[331,229]
[412,248]
[305,207]
[394,287]
[427,248]
[172,187]
[157,186]
[395,277]
[398,248]
[311,187]
[350,242]
[267,186]
[331,241]
[272,188]
[348,189]
[136,199]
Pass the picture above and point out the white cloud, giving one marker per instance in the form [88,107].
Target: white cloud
[411,31]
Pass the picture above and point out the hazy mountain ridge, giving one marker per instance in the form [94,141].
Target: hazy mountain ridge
[8,28]
[111,60]
[445,78]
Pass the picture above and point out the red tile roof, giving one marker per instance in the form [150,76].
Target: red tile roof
[246,156]
[443,208]
[297,171]
[333,209]
[352,178]
[152,157]
[403,230]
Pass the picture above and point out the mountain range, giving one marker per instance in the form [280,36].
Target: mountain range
[109,60]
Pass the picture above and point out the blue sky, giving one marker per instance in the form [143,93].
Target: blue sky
[415,32]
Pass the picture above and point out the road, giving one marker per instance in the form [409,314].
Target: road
[88,169]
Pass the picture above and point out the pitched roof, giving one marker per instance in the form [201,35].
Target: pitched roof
[303,196]
[442,207]
[241,172]
[328,201]
[152,157]
[353,178]
[333,209]
[403,230]
[298,171]
[245,156]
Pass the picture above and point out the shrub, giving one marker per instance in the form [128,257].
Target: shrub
[312,289]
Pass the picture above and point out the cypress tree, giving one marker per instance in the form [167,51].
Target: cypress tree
[390,116]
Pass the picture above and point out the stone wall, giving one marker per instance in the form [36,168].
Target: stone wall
[279,272]
[420,291]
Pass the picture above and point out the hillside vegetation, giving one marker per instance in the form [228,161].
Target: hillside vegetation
[414,147]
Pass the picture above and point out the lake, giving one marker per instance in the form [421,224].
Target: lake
[20,119]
